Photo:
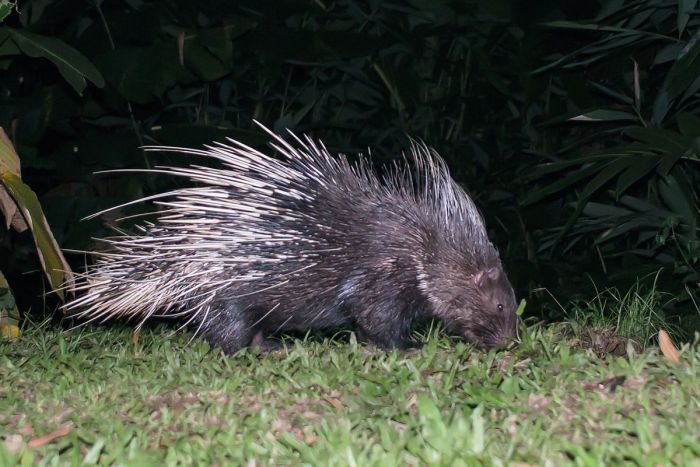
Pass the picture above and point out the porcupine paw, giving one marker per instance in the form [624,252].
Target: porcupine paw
[388,341]
[265,345]
[227,328]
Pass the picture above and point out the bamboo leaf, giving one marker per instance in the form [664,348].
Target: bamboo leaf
[571,179]
[604,115]
[685,8]
[73,66]
[636,171]
[605,174]
[685,70]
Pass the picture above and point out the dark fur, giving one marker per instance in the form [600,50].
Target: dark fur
[328,244]
[370,282]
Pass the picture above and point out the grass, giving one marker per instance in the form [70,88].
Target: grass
[160,400]
[632,315]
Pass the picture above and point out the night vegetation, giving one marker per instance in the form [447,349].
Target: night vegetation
[575,127]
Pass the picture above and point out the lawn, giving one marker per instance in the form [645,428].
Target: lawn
[97,395]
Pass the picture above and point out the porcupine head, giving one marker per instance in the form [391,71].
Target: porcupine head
[469,291]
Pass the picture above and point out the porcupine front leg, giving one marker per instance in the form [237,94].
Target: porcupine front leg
[386,323]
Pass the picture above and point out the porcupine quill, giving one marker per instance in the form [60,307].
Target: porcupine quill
[308,241]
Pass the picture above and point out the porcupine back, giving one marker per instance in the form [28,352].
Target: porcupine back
[288,243]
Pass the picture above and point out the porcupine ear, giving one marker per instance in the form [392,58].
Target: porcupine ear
[483,277]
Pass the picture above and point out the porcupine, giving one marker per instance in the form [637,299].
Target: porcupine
[308,241]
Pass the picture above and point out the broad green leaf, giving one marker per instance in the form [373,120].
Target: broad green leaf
[610,8]
[606,173]
[7,46]
[637,20]
[9,160]
[604,115]
[553,167]
[659,139]
[637,169]
[6,7]
[661,106]
[597,50]
[679,201]
[73,66]
[668,162]
[685,70]
[692,89]
[614,94]
[571,179]
[615,42]
[643,205]
[144,74]
[54,264]
[209,53]
[9,315]
[667,53]
[685,8]
[9,163]
[622,228]
[52,260]
[605,210]
[689,124]
[585,26]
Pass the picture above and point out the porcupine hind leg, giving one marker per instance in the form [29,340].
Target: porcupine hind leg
[226,326]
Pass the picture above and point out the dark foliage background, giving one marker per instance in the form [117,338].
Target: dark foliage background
[573,125]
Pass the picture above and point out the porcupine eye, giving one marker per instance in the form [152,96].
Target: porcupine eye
[500,307]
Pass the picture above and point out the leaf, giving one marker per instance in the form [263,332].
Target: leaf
[689,124]
[679,201]
[610,8]
[50,437]
[621,229]
[73,66]
[660,108]
[667,53]
[605,174]
[9,315]
[642,205]
[685,8]
[668,348]
[478,436]
[636,170]
[685,70]
[584,26]
[604,115]
[144,74]
[669,162]
[571,179]
[604,210]
[52,260]
[9,162]
[659,139]
[6,7]
[614,94]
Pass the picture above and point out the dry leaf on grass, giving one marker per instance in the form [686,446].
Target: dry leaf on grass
[668,348]
[49,437]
